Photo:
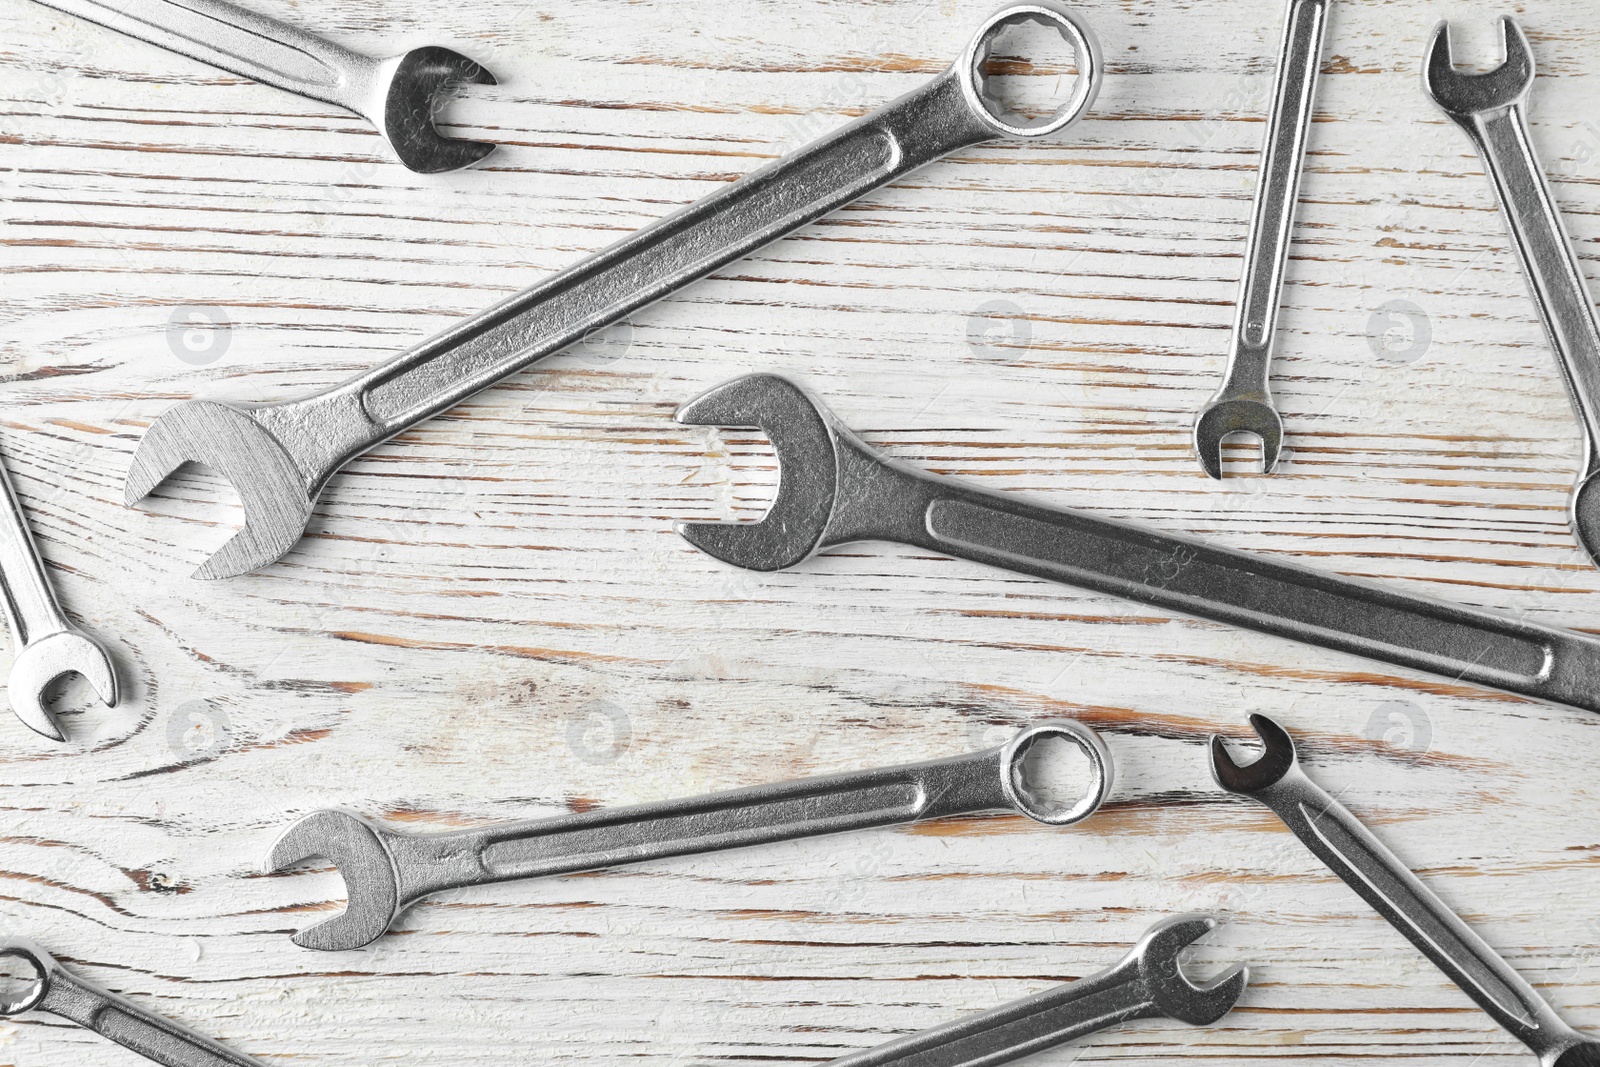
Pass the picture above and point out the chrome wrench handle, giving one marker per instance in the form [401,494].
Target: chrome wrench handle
[1364,863]
[56,991]
[31,607]
[953,111]
[240,41]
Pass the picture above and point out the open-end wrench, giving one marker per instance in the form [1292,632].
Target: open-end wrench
[1338,839]
[47,645]
[1243,403]
[57,992]
[1490,107]
[396,95]
[278,456]
[385,872]
[1148,983]
[833,489]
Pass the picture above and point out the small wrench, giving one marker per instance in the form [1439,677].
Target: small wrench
[1338,839]
[396,95]
[1243,403]
[279,456]
[1148,983]
[1490,107]
[114,1018]
[385,872]
[834,489]
[47,645]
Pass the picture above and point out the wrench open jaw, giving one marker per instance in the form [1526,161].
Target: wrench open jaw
[1277,759]
[407,98]
[361,852]
[1230,415]
[48,658]
[1466,96]
[1156,957]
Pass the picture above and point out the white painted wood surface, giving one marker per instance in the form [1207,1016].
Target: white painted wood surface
[491,617]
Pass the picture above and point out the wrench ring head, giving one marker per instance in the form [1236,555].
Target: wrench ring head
[1276,761]
[1072,28]
[36,958]
[1102,772]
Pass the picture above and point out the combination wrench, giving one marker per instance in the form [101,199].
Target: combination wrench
[834,489]
[1339,839]
[386,872]
[56,991]
[278,456]
[47,644]
[396,95]
[1148,983]
[1243,403]
[1491,108]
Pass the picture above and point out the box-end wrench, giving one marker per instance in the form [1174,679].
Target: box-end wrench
[1149,983]
[1491,107]
[47,644]
[834,489]
[1243,403]
[396,95]
[56,991]
[1338,839]
[278,456]
[385,872]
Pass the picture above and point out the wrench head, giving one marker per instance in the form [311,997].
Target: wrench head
[1220,418]
[40,963]
[1586,514]
[410,102]
[1584,1054]
[801,431]
[372,885]
[225,437]
[1178,998]
[48,658]
[1277,759]
[1464,96]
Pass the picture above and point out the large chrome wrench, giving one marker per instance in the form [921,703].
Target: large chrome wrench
[47,644]
[59,993]
[386,872]
[396,95]
[1148,983]
[1243,403]
[834,489]
[1338,839]
[278,456]
[1491,108]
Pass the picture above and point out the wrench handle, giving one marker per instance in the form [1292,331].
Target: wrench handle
[30,603]
[1339,840]
[131,1026]
[1551,267]
[239,41]
[781,811]
[1019,1028]
[1277,193]
[1254,591]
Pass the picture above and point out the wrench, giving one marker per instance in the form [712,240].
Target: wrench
[1338,839]
[385,872]
[396,95]
[47,645]
[112,1017]
[1147,984]
[1243,403]
[1491,107]
[834,489]
[279,456]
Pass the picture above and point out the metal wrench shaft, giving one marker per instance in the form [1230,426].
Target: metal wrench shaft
[60,993]
[1339,840]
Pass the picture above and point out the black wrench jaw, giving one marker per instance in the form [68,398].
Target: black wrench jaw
[1276,763]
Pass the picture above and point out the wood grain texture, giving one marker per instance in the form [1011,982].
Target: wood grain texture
[491,617]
